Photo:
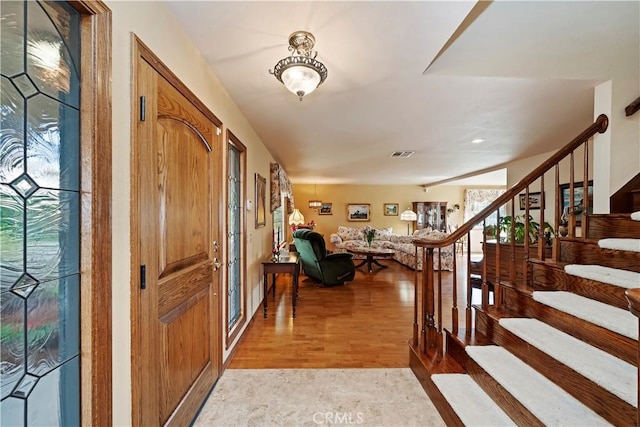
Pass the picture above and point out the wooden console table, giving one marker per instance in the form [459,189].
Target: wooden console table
[289,264]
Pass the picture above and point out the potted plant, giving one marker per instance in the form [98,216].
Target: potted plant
[520,233]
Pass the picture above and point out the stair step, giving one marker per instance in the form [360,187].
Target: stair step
[636,215]
[609,372]
[473,406]
[613,276]
[587,251]
[602,226]
[631,245]
[544,399]
[612,318]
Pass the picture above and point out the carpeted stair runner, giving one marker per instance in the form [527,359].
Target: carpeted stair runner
[609,317]
[613,276]
[609,372]
[544,399]
[635,216]
[473,406]
[632,245]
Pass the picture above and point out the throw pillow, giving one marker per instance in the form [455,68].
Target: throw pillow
[350,233]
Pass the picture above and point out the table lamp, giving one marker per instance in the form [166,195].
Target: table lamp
[295,219]
[408,215]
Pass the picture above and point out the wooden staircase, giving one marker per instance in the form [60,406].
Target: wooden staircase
[558,342]
[519,302]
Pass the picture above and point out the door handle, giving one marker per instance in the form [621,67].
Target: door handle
[216,264]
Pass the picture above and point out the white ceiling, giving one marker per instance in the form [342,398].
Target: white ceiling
[427,76]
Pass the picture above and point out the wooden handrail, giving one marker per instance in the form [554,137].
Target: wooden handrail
[633,296]
[633,107]
[599,126]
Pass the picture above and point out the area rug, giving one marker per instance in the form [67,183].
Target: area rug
[318,397]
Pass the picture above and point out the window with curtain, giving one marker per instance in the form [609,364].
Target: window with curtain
[235,284]
[476,200]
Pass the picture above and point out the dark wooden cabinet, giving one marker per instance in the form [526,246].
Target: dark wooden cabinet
[431,214]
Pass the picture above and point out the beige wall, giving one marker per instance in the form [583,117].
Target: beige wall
[376,196]
[157,28]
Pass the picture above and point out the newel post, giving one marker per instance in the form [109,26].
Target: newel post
[633,296]
[429,331]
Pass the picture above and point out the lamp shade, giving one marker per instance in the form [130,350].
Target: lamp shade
[300,80]
[315,204]
[408,215]
[296,217]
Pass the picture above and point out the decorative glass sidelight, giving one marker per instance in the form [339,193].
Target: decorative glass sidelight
[234,230]
[40,214]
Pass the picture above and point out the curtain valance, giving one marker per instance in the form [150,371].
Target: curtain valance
[280,186]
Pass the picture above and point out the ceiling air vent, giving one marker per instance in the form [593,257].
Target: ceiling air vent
[402,154]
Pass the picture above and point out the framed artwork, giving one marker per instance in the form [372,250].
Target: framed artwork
[578,199]
[326,209]
[358,211]
[261,210]
[535,201]
[391,209]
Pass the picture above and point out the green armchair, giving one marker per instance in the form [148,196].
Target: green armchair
[330,269]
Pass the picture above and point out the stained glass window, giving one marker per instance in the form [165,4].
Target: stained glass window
[234,238]
[40,214]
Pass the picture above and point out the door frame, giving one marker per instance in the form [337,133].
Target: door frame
[140,50]
[96,385]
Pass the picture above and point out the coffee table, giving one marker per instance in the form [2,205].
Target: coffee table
[371,254]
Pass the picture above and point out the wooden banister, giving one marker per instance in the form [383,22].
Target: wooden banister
[633,107]
[599,126]
[509,263]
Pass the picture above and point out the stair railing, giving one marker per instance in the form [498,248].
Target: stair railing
[428,311]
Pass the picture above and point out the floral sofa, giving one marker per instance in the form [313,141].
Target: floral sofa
[351,238]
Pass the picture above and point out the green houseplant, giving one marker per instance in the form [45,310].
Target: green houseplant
[520,232]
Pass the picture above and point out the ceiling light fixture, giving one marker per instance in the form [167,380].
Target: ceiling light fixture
[300,73]
[477,141]
[315,203]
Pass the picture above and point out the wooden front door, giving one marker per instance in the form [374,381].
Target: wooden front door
[178,191]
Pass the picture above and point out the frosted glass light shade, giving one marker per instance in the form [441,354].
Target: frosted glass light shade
[300,80]
[296,217]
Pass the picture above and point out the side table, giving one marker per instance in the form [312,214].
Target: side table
[288,264]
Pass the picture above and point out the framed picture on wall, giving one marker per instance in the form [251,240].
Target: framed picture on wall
[326,209]
[535,201]
[261,209]
[358,211]
[578,199]
[390,209]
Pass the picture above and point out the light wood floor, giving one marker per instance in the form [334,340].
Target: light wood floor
[365,324]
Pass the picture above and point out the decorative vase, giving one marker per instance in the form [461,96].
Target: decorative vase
[563,230]
[369,241]
[275,257]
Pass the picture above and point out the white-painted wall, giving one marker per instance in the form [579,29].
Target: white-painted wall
[156,27]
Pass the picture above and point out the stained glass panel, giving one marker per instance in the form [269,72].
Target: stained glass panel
[63,382]
[12,38]
[11,237]
[39,227]
[49,61]
[234,297]
[53,152]
[11,132]
[53,234]
[12,316]
[52,333]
